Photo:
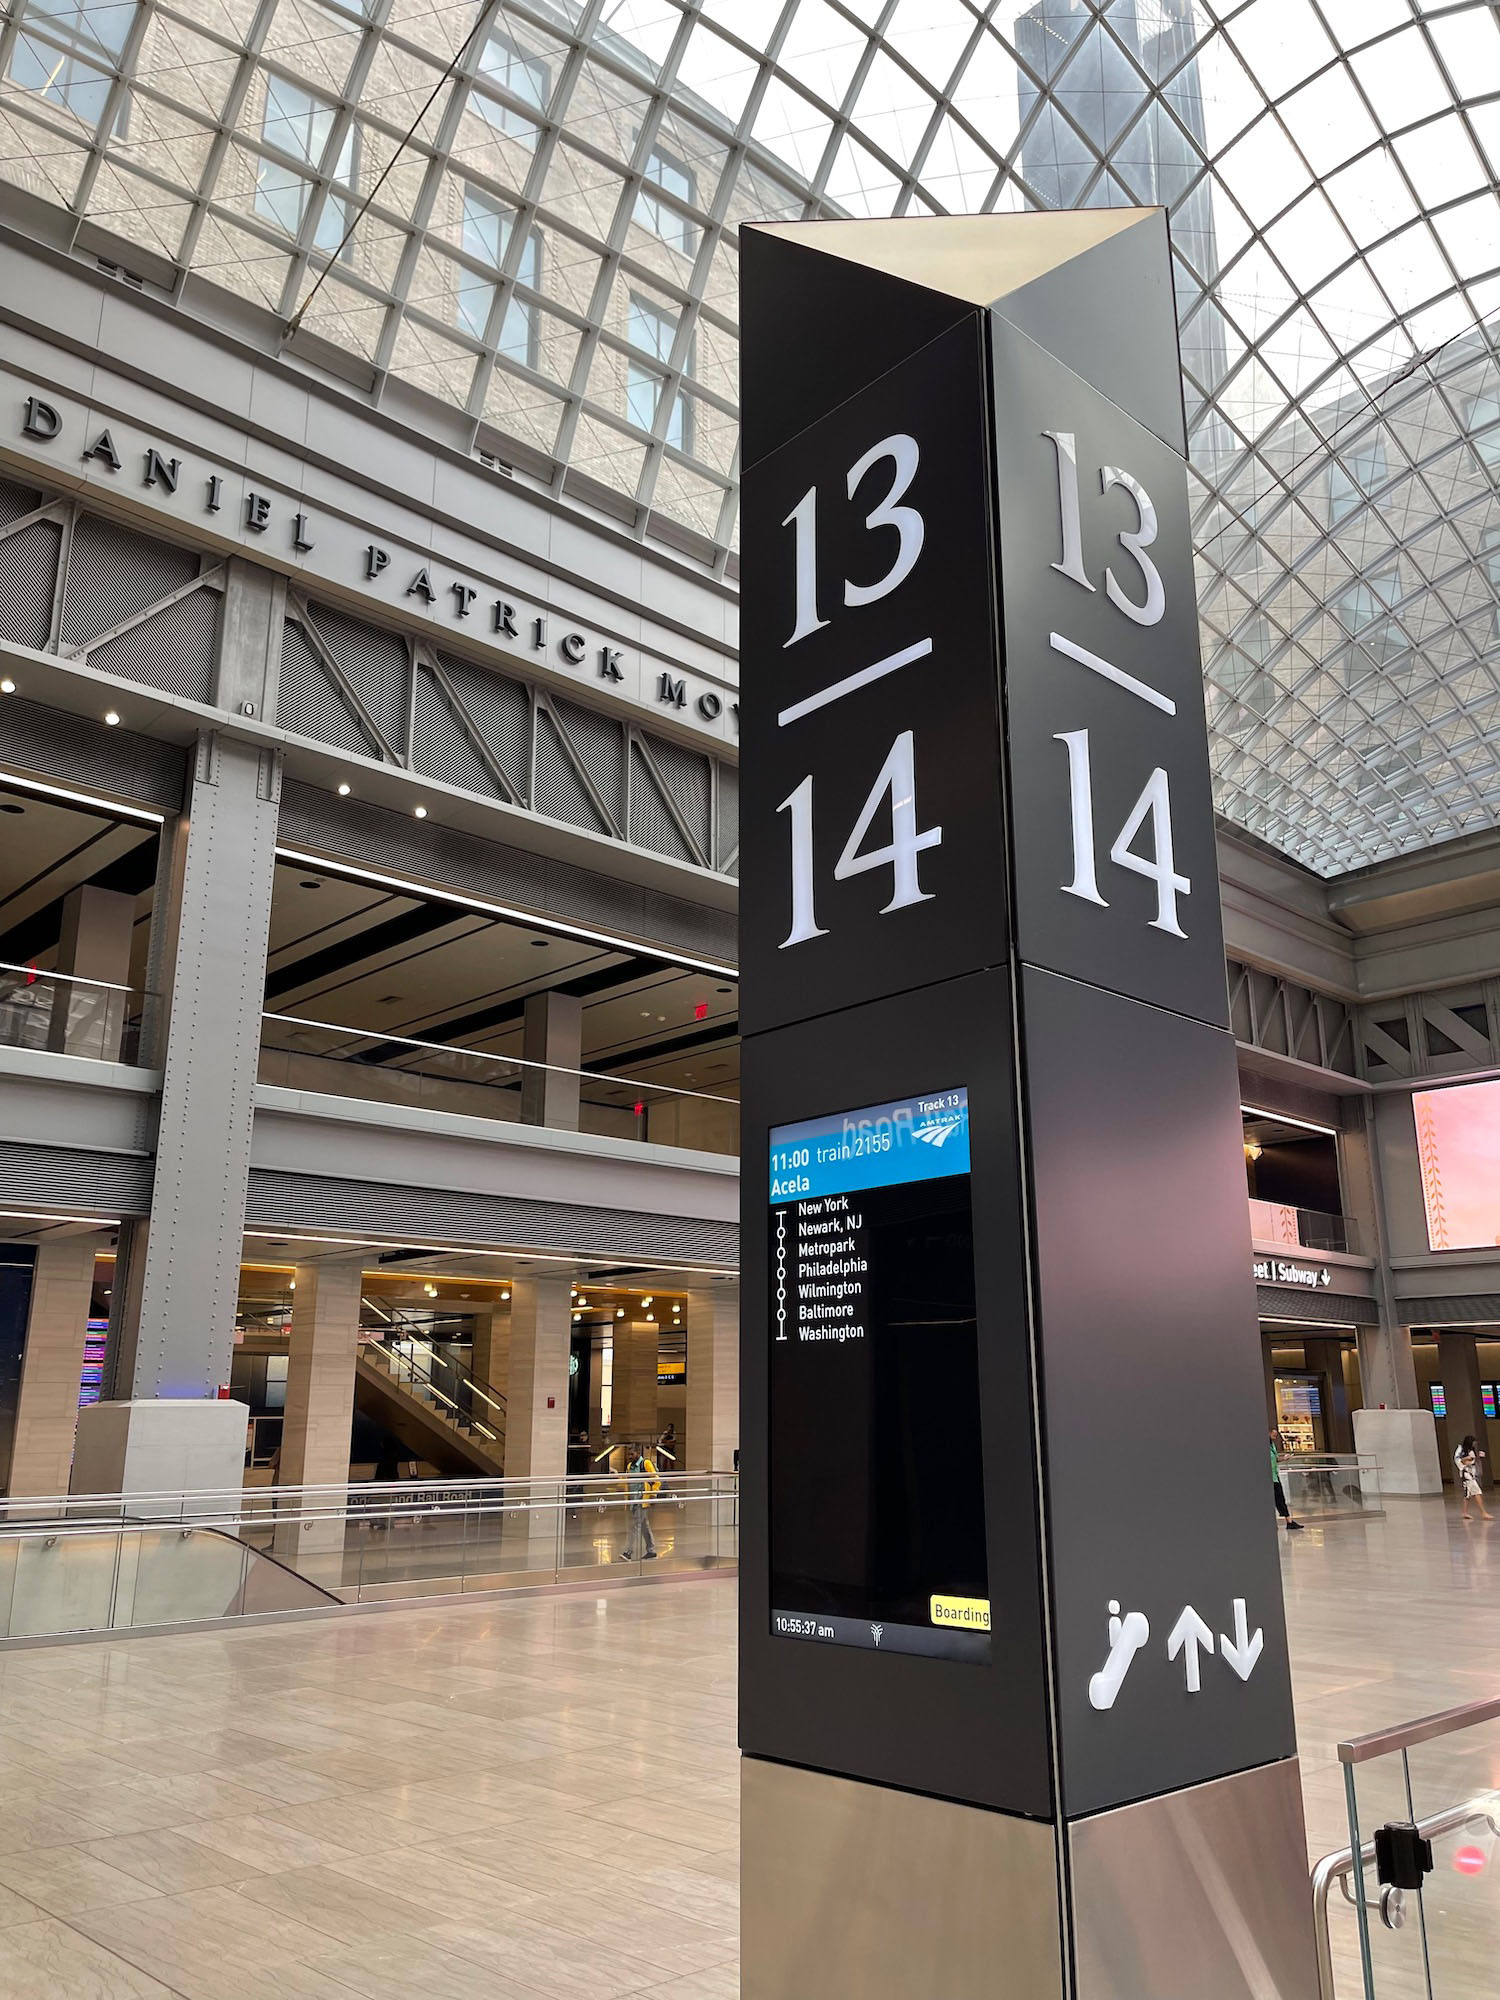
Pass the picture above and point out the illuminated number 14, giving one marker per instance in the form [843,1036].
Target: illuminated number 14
[1154,802]
[898,781]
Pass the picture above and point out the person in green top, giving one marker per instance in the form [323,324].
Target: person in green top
[1277,1488]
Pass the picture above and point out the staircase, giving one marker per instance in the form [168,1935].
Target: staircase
[434,1404]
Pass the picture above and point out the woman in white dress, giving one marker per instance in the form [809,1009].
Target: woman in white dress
[1466,1462]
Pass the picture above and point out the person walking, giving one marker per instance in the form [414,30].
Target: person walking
[1293,1527]
[641,1487]
[1466,1463]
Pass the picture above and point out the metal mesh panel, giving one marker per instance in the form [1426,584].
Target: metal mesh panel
[600,743]
[440,746]
[28,578]
[60,1177]
[651,825]
[308,703]
[16,501]
[114,574]
[76,749]
[399,845]
[411,1213]
[173,650]
[502,709]
[688,779]
[729,816]
[1462,1309]
[374,663]
[560,792]
[1337,1308]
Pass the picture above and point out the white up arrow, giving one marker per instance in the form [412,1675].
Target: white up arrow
[1187,1635]
[1245,1651]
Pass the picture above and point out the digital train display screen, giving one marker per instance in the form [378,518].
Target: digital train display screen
[877,1483]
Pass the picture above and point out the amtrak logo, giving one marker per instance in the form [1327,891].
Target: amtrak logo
[875,1633]
[937,1131]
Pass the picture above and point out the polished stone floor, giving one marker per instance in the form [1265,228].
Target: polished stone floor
[537,1799]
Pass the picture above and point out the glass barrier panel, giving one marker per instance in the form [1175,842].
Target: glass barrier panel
[63,1583]
[184,1576]
[1460,1901]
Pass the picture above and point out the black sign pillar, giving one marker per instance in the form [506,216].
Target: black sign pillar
[1014,1695]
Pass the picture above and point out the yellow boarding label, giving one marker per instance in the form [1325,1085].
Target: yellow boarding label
[968,1614]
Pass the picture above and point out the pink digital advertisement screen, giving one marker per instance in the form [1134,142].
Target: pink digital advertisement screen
[1458,1146]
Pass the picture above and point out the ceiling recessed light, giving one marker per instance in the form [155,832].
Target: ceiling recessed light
[420,811]
[112,717]
[9,807]
[540,944]
[309,884]
[7,686]
[343,791]
[723,989]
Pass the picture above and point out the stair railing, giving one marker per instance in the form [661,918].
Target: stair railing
[454,1387]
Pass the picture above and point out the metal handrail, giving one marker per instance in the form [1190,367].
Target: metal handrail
[464,1377]
[1339,1866]
[1380,1742]
[602,1491]
[477,1489]
[488,1055]
[35,972]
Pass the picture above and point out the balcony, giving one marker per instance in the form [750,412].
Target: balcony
[1302,1228]
[62,1015]
[319,1057]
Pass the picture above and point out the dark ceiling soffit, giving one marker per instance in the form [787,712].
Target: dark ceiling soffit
[389,936]
[128,874]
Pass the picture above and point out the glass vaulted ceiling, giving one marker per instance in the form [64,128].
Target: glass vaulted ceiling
[554,252]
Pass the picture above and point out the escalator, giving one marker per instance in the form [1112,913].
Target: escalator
[432,1402]
[83,1576]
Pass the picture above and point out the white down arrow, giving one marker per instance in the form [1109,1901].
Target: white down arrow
[1245,1650]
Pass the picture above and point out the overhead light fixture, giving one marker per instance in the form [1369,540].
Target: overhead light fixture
[504,1296]
[343,791]
[425,892]
[112,717]
[115,806]
[420,811]
[620,1312]
[646,1301]
[7,686]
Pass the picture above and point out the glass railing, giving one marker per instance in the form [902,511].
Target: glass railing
[68,1016]
[1410,1909]
[74,1575]
[317,1056]
[1302,1228]
[450,1385]
[1323,1486]
[97,1563]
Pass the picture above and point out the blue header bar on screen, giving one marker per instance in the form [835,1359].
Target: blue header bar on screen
[922,1138]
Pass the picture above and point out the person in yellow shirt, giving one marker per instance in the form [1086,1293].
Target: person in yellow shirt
[642,1484]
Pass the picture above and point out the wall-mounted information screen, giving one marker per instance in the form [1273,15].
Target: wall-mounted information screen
[877,1513]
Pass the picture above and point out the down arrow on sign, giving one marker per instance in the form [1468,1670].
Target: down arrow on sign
[1243,1653]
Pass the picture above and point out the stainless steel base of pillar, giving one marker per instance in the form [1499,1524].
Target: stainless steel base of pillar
[1201,1893]
[849,1889]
